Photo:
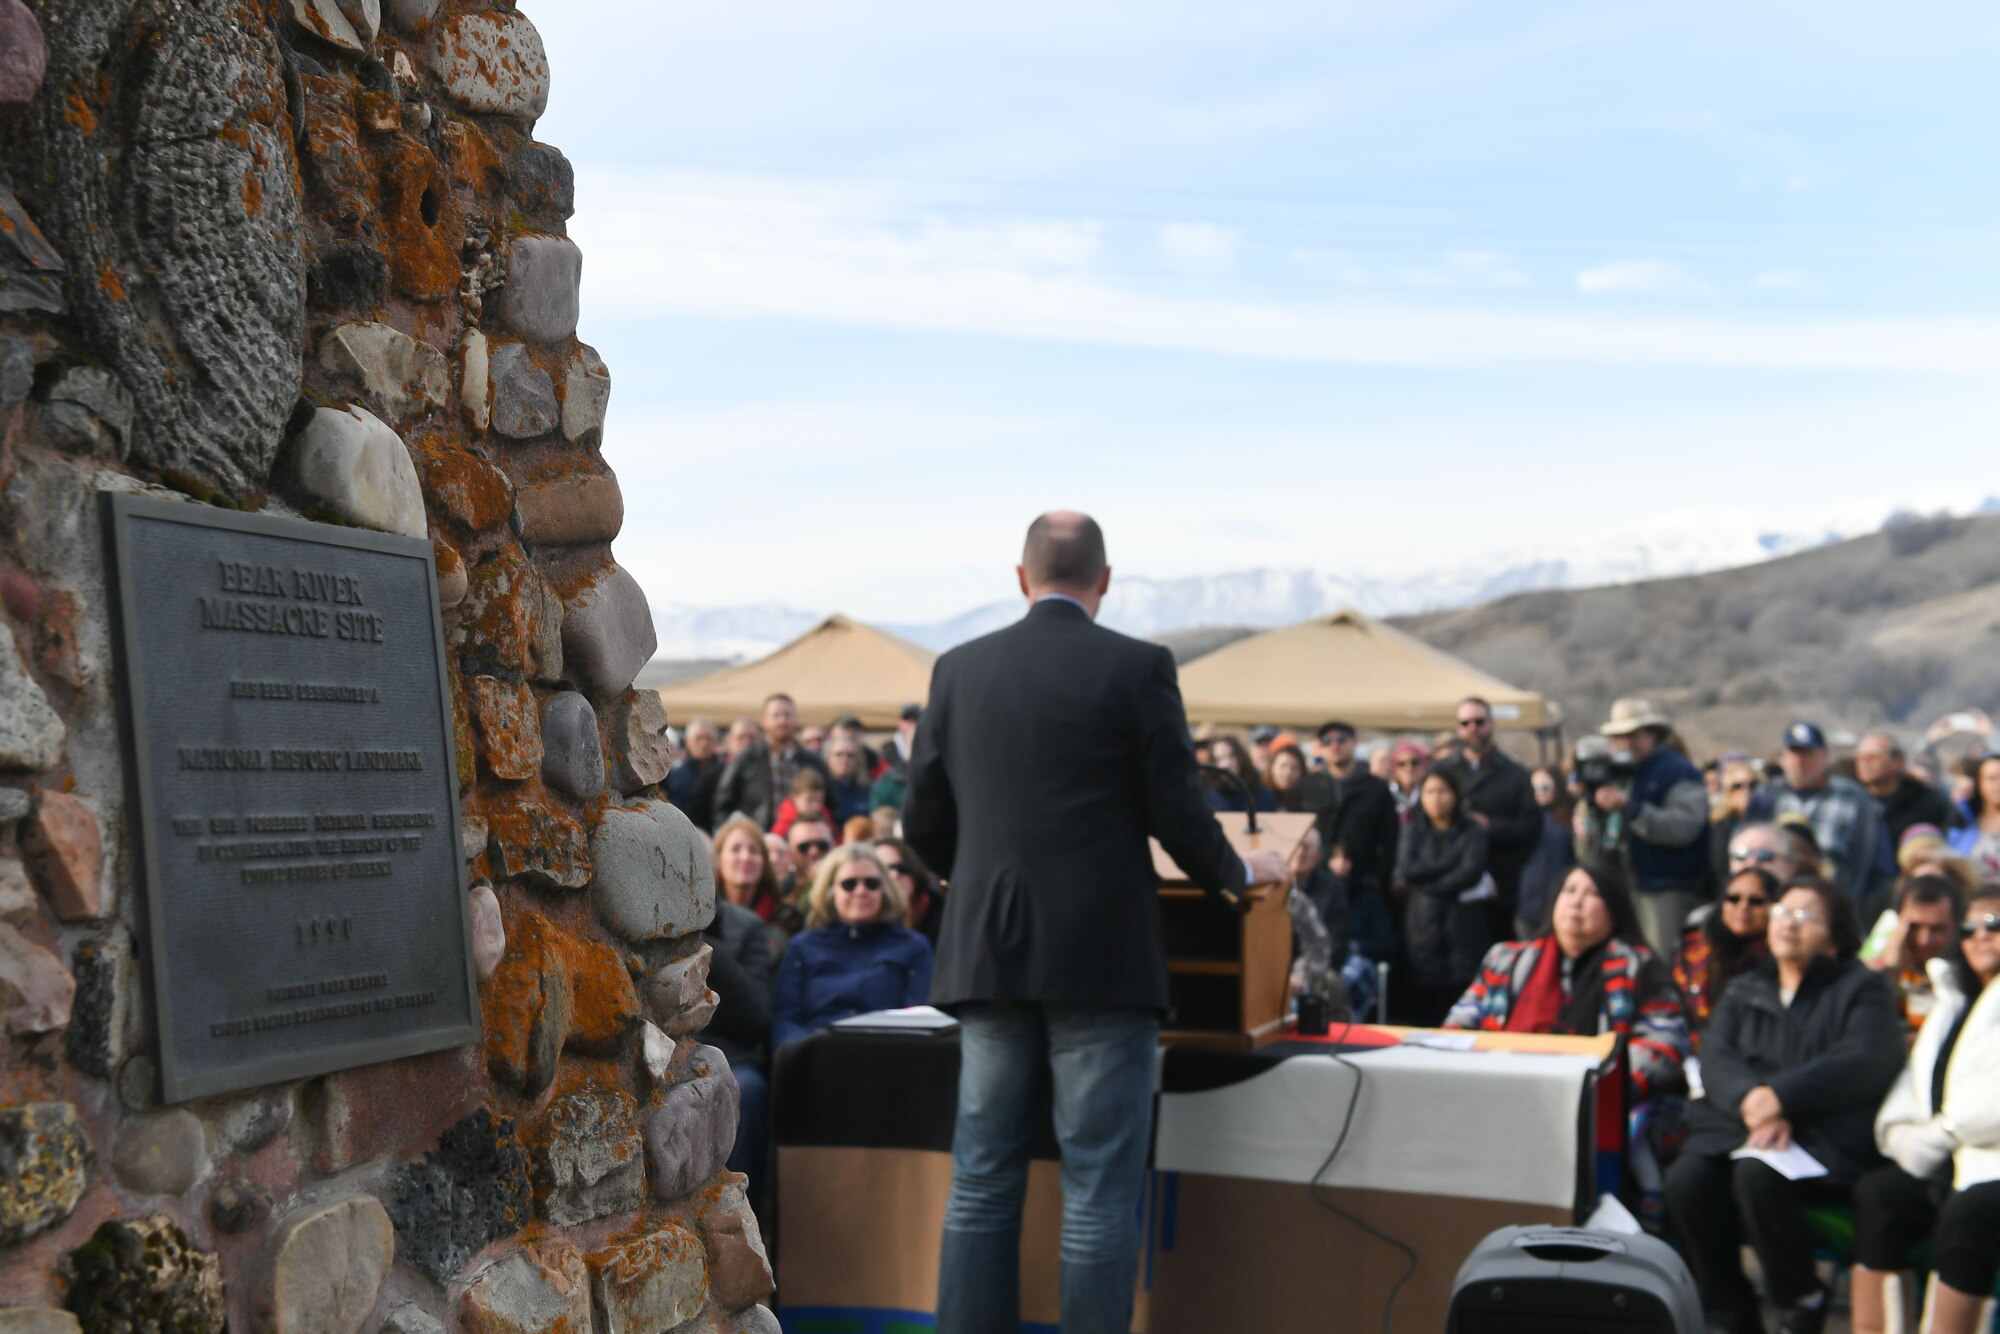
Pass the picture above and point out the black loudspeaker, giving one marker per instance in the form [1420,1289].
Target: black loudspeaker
[1572,1280]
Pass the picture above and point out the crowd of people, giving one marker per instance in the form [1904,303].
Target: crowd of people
[1797,951]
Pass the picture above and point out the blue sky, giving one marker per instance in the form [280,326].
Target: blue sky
[1359,287]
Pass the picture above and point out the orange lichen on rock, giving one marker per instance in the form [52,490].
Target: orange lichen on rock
[605,1011]
[78,113]
[109,283]
[471,158]
[420,226]
[525,1007]
[530,839]
[462,484]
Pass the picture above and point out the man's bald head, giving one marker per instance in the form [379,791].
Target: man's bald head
[1064,550]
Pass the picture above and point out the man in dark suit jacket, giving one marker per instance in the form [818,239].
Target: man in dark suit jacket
[1049,752]
[760,775]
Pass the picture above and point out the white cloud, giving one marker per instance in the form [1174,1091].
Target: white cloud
[700,244]
[1199,247]
[1640,277]
[1455,269]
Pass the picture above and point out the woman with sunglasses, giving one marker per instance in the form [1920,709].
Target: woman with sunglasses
[919,886]
[1407,764]
[1799,1052]
[855,955]
[1730,811]
[1940,1127]
[1723,941]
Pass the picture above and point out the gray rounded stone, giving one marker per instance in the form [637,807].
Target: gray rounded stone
[493,64]
[31,732]
[524,397]
[327,1266]
[14,804]
[754,1320]
[354,463]
[23,61]
[608,634]
[411,15]
[37,1320]
[161,1154]
[489,930]
[652,879]
[572,749]
[690,1131]
[544,281]
[586,396]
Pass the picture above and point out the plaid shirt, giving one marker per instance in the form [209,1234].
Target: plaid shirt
[1847,823]
[784,768]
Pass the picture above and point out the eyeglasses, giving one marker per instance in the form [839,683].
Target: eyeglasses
[1990,922]
[1800,915]
[871,883]
[1746,900]
[1740,785]
[813,845]
[1474,722]
[895,868]
[1756,856]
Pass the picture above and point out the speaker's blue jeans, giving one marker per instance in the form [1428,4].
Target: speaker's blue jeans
[1101,1064]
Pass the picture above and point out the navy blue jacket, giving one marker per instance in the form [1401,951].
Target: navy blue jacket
[835,972]
[1653,865]
[1548,864]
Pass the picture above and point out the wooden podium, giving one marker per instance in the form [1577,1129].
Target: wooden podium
[1229,973]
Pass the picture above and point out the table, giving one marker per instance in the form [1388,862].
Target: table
[1444,1147]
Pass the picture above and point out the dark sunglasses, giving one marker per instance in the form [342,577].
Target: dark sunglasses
[1990,922]
[895,868]
[1746,900]
[814,845]
[868,882]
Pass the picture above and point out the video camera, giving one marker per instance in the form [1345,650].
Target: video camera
[1599,765]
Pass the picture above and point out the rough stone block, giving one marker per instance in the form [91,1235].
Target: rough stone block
[739,1268]
[652,876]
[657,1050]
[589,1160]
[327,1266]
[409,1318]
[499,629]
[544,183]
[608,633]
[45,1159]
[569,510]
[489,930]
[692,1127]
[463,485]
[539,1290]
[652,1282]
[572,749]
[63,845]
[17,892]
[493,64]
[695,1017]
[350,25]
[544,284]
[353,463]
[678,985]
[531,841]
[14,804]
[237,1205]
[23,61]
[359,1115]
[639,748]
[545,651]
[586,396]
[524,397]
[398,375]
[37,992]
[472,1189]
[143,1274]
[412,16]
[526,1006]
[252,1122]
[90,408]
[505,712]
[160,1154]
[101,1018]
[472,836]
[475,384]
[37,1319]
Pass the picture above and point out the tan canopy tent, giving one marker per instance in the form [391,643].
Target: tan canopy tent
[839,666]
[1349,667]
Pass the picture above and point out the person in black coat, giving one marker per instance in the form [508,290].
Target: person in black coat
[739,973]
[1501,799]
[1353,809]
[760,775]
[1800,1052]
[1441,862]
[1047,755]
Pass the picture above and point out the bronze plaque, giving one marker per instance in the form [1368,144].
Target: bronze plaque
[295,802]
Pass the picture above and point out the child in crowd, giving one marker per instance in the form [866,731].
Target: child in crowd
[808,798]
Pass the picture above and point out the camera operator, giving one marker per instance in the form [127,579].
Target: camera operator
[1645,804]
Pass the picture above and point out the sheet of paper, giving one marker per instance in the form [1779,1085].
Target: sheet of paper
[1611,1215]
[1693,1067]
[1792,1162]
[1442,1041]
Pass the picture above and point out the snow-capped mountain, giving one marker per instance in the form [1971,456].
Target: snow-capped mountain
[1658,549]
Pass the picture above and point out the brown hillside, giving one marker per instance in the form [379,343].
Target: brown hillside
[1889,629]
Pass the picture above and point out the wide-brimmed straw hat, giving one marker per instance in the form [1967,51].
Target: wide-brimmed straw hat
[1629,715]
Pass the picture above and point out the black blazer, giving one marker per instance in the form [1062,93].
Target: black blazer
[1050,751]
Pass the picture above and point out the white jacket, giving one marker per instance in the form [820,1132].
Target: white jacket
[1918,1136]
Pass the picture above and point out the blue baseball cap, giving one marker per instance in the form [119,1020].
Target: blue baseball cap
[1804,736]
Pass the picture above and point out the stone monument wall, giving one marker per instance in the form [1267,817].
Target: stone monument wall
[306,257]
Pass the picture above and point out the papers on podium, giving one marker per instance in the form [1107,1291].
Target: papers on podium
[922,1020]
[1790,1162]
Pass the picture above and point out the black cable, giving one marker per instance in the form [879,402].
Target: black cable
[1313,1186]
